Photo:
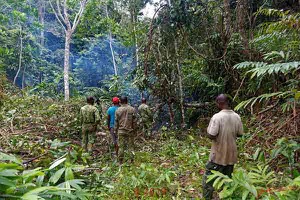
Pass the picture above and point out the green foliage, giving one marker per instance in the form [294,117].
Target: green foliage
[275,73]
[287,148]
[156,172]
[280,34]
[40,115]
[260,69]
[252,185]
[196,82]
[239,186]
[265,97]
[259,155]
[289,192]
[16,182]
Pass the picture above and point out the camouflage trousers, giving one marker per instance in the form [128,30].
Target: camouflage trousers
[88,136]
[126,146]
[208,188]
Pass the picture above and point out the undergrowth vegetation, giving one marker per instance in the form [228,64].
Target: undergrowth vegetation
[51,165]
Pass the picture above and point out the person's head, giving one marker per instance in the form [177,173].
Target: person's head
[90,100]
[115,101]
[124,100]
[222,101]
[144,100]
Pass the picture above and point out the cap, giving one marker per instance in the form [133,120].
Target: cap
[115,100]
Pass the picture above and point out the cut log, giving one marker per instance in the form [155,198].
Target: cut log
[197,105]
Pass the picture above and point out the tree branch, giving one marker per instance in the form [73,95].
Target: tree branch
[33,159]
[183,33]
[150,34]
[59,12]
[57,17]
[67,21]
[79,14]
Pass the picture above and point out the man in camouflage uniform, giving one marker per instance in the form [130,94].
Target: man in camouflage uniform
[145,116]
[224,127]
[90,118]
[125,126]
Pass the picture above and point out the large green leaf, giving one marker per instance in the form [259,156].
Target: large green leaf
[57,162]
[11,158]
[31,197]
[76,182]
[69,174]
[55,177]
[9,172]
[6,181]
[33,194]
[32,173]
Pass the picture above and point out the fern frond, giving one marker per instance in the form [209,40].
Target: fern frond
[260,69]
[271,12]
[263,97]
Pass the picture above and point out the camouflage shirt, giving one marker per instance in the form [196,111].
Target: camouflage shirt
[89,114]
[125,119]
[145,112]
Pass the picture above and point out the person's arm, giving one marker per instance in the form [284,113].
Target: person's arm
[97,116]
[108,119]
[240,132]
[100,112]
[139,112]
[134,121]
[213,128]
[212,137]
[116,122]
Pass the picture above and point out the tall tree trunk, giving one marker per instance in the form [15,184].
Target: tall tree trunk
[242,14]
[111,46]
[180,84]
[41,13]
[227,19]
[61,13]
[136,44]
[112,54]
[23,77]
[41,77]
[20,56]
[67,64]
[171,113]
[133,19]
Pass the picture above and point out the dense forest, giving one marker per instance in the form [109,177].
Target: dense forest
[179,55]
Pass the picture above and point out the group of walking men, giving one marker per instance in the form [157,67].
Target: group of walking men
[122,123]
[223,129]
